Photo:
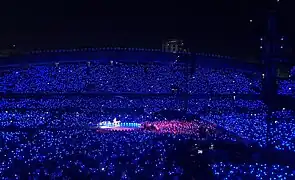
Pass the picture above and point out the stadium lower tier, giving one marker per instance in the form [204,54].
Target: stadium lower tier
[87,154]
[251,127]
[57,140]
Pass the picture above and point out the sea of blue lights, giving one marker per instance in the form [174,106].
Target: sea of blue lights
[64,143]
[216,81]
[120,78]
[287,87]
[250,125]
[82,153]
[227,113]
[252,171]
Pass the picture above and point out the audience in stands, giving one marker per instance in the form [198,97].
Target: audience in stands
[120,78]
[252,171]
[48,136]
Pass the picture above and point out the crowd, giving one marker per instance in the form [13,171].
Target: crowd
[94,77]
[245,118]
[229,171]
[206,105]
[64,120]
[131,78]
[253,127]
[84,154]
[248,119]
[90,104]
[199,129]
[48,136]
[286,87]
[223,81]
[77,152]
[283,130]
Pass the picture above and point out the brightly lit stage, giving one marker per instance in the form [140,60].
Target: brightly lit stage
[106,126]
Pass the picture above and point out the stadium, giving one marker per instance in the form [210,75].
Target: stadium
[208,112]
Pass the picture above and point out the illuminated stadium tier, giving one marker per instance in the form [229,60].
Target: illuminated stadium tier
[108,108]
[131,72]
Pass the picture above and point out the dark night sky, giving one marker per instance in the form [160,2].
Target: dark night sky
[220,26]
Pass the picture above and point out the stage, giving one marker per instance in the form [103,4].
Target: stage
[116,126]
[171,127]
